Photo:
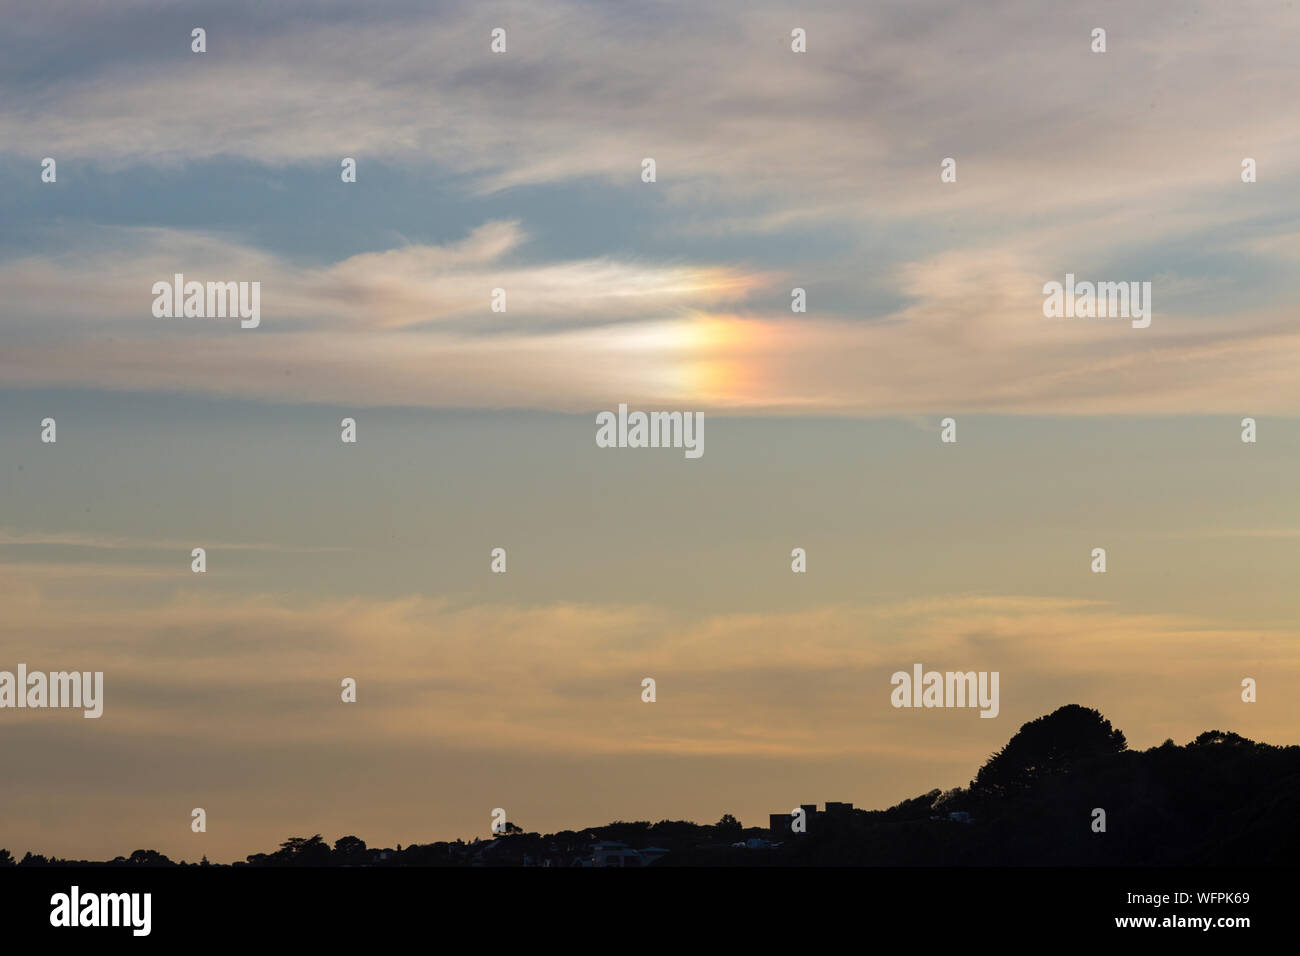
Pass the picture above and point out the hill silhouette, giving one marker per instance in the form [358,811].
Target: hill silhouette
[1219,800]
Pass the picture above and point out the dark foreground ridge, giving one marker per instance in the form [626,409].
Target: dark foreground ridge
[1221,800]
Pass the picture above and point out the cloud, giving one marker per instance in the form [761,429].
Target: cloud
[1067,161]
[75,539]
[106,276]
[413,326]
[857,124]
[566,677]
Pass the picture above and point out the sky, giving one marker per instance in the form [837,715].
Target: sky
[522,170]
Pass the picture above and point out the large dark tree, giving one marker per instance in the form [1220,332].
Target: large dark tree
[350,849]
[303,851]
[1049,745]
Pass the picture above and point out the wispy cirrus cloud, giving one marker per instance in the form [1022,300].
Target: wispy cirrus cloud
[106,276]
[588,90]
[925,302]
[765,671]
[11,537]
[414,326]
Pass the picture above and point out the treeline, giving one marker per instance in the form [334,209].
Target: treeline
[515,847]
[138,858]
[1064,791]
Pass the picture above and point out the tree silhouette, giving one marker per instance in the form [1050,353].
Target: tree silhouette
[1049,745]
[303,851]
[349,849]
[728,828]
[148,858]
[1215,738]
